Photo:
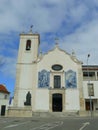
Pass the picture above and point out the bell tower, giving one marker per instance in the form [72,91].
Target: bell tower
[28,49]
[26,67]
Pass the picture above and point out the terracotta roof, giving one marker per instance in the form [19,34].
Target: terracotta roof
[3,89]
[90,67]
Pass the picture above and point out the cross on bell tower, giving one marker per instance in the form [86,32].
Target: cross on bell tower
[31,28]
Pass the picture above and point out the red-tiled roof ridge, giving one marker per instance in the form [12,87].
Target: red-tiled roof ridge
[3,89]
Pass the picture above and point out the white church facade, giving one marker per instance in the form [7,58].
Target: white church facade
[48,83]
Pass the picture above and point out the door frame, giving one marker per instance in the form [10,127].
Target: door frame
[3,110]
[56,91]
[57,102]
[87,105]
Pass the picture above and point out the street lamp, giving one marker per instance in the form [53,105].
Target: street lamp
[89,88]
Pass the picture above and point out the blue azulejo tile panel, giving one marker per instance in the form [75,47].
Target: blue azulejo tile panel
[43,79]
[70,79]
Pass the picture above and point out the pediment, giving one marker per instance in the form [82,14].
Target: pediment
[58,53]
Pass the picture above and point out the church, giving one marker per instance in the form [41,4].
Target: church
[46,83]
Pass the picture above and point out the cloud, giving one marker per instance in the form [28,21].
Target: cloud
[8,66]
[73,22]
[84,40]
[47,16]
[8,59]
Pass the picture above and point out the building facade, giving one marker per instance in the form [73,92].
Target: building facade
[47,83]
[4,100]
[90,88]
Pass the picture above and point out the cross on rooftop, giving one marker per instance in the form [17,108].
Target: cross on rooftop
[56,41]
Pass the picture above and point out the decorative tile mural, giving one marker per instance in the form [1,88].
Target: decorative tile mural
[43,79]
[70,79]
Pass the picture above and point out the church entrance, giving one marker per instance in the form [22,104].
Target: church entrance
[57,102]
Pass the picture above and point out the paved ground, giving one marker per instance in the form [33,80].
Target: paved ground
[48,123]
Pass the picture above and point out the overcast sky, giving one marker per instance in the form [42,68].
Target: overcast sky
[73,22]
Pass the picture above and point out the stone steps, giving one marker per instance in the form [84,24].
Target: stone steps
[55,114]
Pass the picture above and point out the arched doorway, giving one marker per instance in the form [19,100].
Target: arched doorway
[57,102]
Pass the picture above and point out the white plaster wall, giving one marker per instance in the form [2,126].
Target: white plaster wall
[57,57]
[72,99]
[26,77]
[25,80]
[24,83]
[4,101]
[21,98]
[96,89]
[2,95]
[42,100]
[28,56]
[96,105]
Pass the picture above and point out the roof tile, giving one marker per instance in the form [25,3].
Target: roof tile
[3,89]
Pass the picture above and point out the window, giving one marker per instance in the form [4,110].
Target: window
[90,90]
[57,81]
[57,67]
[28,45]
[91,74]
[5,96]
[88,74]
[85,74]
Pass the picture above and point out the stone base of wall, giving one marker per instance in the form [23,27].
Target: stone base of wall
[27,112]
[95,113]
[83,113]
[88,113]
[55,114]
[19,112]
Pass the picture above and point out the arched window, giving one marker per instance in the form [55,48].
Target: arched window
[28,45]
